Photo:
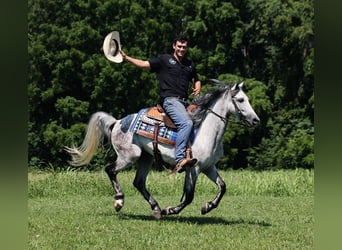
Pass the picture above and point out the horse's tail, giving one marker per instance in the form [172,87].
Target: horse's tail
[100,124]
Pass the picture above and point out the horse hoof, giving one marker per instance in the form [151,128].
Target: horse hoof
[118,204]
[204,210]
[165,211]
[157,214]
[207,208]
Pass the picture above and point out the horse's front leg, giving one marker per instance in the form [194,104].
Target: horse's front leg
[213,175]
[189,191]
[144,165]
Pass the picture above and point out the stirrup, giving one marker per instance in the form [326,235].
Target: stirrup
[182,164]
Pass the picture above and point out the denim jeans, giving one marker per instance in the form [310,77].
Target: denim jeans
[176,109]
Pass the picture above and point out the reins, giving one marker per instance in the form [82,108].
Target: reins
[226,119]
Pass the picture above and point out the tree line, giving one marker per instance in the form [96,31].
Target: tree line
[269,44]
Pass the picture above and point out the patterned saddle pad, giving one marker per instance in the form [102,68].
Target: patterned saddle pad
[146,120]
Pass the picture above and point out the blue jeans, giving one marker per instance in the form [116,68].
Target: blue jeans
[176,109]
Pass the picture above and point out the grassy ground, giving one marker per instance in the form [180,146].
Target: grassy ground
[261,210]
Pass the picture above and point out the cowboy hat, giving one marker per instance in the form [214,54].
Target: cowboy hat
[112,47]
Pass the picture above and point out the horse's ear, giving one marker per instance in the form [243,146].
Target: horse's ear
[241,85]
[215,81]
[234,87]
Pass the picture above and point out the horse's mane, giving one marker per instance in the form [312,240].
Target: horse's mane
[203,103]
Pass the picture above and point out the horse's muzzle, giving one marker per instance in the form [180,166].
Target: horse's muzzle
[252,122]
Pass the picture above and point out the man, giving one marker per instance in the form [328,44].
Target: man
[174,73]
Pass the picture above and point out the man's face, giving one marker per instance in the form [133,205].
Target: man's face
[180,48]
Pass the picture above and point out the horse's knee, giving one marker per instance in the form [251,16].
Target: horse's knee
[138,184]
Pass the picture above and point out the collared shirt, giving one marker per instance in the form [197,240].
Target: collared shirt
[174,77]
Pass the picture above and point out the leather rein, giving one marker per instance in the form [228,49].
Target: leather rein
[225,119]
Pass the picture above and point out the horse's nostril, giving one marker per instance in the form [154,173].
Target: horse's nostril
[256,120]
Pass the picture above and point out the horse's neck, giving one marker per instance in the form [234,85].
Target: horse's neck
[213,127]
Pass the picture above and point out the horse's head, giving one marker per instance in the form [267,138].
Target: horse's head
[243,108]
[237,103]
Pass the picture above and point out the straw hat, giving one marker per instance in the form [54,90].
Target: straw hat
[112,47]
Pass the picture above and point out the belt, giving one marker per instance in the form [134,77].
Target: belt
[179,98]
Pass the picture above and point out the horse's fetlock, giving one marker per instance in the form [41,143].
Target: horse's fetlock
[212,204]
[167,211]
[119,196]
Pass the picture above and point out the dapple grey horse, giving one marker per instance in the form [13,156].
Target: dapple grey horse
[210,120]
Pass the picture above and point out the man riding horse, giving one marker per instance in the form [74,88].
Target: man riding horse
[210,119]
[174,73]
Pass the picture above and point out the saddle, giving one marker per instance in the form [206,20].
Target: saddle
[157,113]
[157,117]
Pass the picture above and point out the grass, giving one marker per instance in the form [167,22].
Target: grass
[261,210]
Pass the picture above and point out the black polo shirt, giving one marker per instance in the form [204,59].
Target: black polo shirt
[173,77]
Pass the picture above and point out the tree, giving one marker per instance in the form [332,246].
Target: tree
[267,43]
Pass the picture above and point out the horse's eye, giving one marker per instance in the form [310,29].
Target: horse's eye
[240,100]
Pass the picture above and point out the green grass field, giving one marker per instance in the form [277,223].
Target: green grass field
[261,210]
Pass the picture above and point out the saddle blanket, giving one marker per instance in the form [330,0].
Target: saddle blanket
[143,126]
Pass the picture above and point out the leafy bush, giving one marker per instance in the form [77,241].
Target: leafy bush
[288,147]
[268,43]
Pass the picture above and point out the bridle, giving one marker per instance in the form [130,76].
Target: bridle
[225,119]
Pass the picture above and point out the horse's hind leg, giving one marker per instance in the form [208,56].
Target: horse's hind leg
[144,164]
[119,195]
[213,175]
[123,161]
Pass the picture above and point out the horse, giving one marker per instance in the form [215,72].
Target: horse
[210,119]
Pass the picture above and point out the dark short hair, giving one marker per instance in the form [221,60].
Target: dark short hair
[180,38]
